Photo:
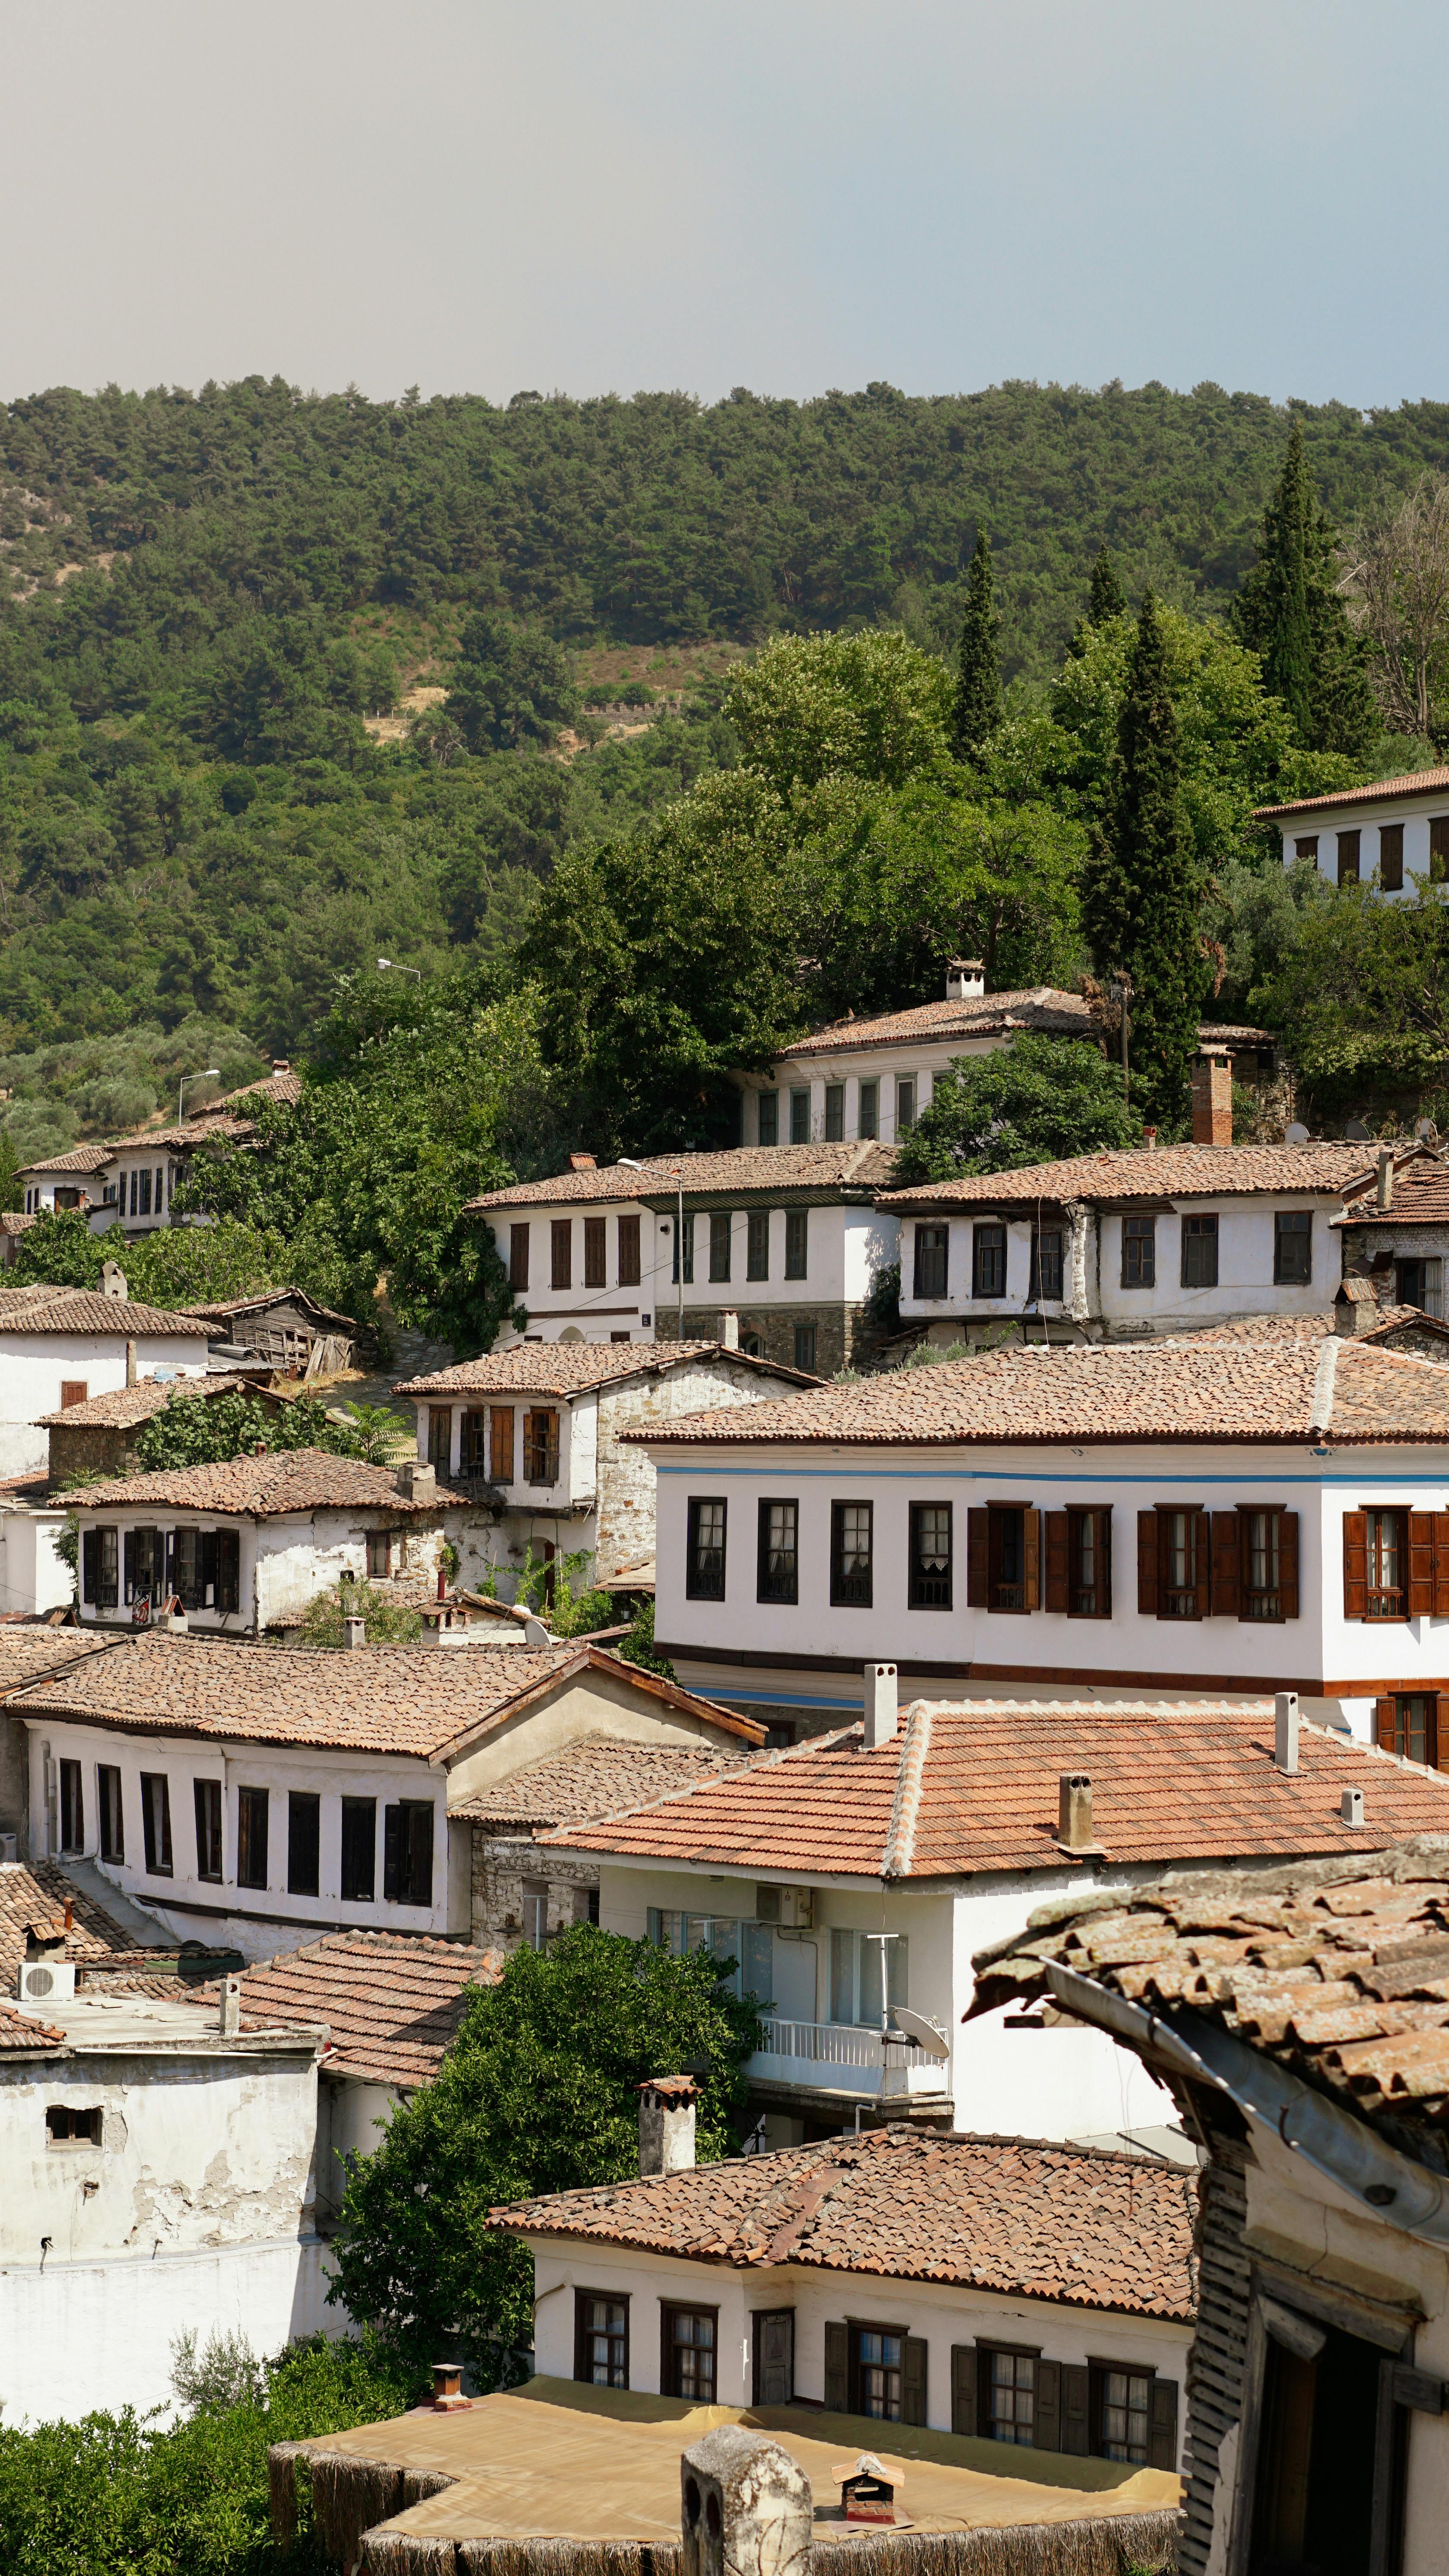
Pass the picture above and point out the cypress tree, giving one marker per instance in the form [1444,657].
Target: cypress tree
[1106,598]
[1142,890]
[1290,613]
[978,708]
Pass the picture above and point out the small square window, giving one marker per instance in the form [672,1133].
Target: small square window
[67,2127]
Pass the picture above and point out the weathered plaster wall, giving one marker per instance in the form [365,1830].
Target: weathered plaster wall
[625,1475]
[501,1863]
[597,1703]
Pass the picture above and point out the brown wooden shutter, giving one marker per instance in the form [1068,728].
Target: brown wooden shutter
[913,2379]
[1227,1565]
[978,1559]
[1162,2425]
[963,2388]
[1203,1553]
[580,2311]
[1031,1550]
[1047,2428]
[837,2369]
[1076,2409]
[1441,1565]
[1421,1565]
[1434,1714]
[1384,1724]
[1056,1560]
[1103,1520]
[1288,1563]
[666,2351]
[1355,1565]
[1147,1565]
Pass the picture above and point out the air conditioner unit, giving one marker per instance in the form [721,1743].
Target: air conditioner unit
[793,1908]
[47,1981]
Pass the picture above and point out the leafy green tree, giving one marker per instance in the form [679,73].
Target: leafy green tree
[538,2094]
[511,685]
[376,1435]
[977,708]
[1360,992]
[1036,1100]
[819,707]
[199,1430]
[1290,612]
[202,1265]
[1106,598]
[384,1622]
[557,1588]
[637,1645]
[1143,889]
[59,1248]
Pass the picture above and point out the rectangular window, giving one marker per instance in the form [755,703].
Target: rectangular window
[540,1446]
[868,1123]
[769,1118]
[145,1559]
[359,1850]
[500,1443]
[1183,1545]
[628,1252]
[1413,1730]
[1387,1565]
[99,1568]
[834,1113]
[252,1807]
[518,1256]
[779,1569]
[932,1248]
[72,1812]
[440,1438]
[930,1566]
[1421,1283]
[596,1260]
[1122,2407]
[797,1243]
[207,1795]
[805,1347]
[1391,857]
[905,1106]
[688,1249]
[1046,1263]
[113,1824]
[227,1588]
[601,2340]
[772,2356]
[1292,1247]
[757,1244]
[719,1244]
[72,1391]
[1089,1564]
[1139,1252]
[1012,1578]
[855,1977]
[156,1823]
[1307,848]
[135,1184]
[799,1117]
[851,1543]
[1438,848]
[1262,1564]
[561,1252]
[535,1913]
[1008,2394]
[878,2360]
[1348,843]
[66,2126]
[1199,1252]
[407,1852]
[379,1555]
[304,1842]
[145,1193]
[704,1578]
[687,2359]
[473,1444]
[988,1261]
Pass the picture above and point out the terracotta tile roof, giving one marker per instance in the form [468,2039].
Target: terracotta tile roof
[1039,1007]
[373,1699]
[1411,782]
[285,1088]
[1313,1328]
[81,1158]
[1018,2216]
[18,2031]
[1339,1970]
[15,1221]
[1182,1388]
[176,1139]
[1421,1196]
[599,1776]
[574,1368]
[280,1480]
[392,2001]
[1234,1032]
[38,1896]
[971,1787]
[85,1310]
[1161,1172]
[827,1169]
[128,1404]
[227,1309]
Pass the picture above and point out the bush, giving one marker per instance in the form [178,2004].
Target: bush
[383,1623]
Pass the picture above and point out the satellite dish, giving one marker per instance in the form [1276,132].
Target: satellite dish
[1297,1134]
[914,2025]
[1356,1132]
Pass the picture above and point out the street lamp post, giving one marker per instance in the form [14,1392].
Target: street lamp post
[208,1073]
[390,966]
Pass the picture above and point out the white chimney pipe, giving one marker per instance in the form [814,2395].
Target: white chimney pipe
[729,1330]
[882,1705]
[1386,1176]
[228,2014]
[1285,1730]
[965,980]
[666,2124]
[354,1632]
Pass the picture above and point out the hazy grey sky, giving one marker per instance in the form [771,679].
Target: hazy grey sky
[481,195]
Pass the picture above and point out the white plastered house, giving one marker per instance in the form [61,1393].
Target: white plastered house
[68,1180]
[59,1346]
[1394,831]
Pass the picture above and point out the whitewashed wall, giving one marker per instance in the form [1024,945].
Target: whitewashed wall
[1413,812]
[841,1240]
[284,1563]
[33,1366]
[1245,1268]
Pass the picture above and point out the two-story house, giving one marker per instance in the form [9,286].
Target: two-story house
[139,1174]
[533,1432]
[60,1346]
[1206,1515]
[790,1240]
[66,1180]
[1393,833]
[1120,1246]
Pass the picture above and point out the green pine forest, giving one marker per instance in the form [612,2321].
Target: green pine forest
[290,683]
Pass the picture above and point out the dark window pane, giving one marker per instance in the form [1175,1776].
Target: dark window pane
[251,1837]
[1199,1252]
[359,1850]
[518,1256]
[407,1864]
[1391,857]
[540,1446]
[1348,843]
[757,1258]
[156,1822]
[304,1842]
[628,1252]
[719,1244]
[705,1544]
[1293,1247]
[905,1106]
[113,1831]
[1046,1262]
[869,1122]
[208,1828]
[805,1347]
[689,2349]
[1139,1252]
[850,1555]
[769,1118]
[834,1112]
[930,1568]
[561,1246]
[988,1261]
[932,1245]
[595,1253]
[797,1242]
[1006,1529]
[799,1117]
[779,1578]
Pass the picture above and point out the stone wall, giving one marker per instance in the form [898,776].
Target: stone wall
[501,1863]
[837,1329]
[92,1449]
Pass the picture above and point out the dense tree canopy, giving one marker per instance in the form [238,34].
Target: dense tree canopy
[1038,1100]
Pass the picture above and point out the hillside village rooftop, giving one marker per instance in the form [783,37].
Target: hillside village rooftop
[863,1167]
[565,1369]
[263,1487]
[1158,1173]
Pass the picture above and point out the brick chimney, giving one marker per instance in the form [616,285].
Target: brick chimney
[666,2124]
[965,980]
[1212,1097]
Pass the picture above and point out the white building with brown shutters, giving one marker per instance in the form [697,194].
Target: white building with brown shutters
[1205,1515]
[1393,833]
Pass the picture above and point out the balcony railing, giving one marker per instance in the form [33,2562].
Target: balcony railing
[807,2051]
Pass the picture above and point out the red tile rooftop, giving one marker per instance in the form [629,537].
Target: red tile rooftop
[1039,1006]
[1410,782]
[1154,1172]
[279,1481]
[824,1169]
[45,1309]
[575,1368]
[393,2002]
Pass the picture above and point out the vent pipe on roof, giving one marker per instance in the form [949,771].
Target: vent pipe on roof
[1285,1730]
[882,1705]
[729,1329]
[1074,1812]
[228,2011]
[965,980]
[666,2124]
[1350,1807]
[281,1064]
[1386,1176]
[130,1364]
[354,1633]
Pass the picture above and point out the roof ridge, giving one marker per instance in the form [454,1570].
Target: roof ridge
[1325,1379]
[900,1841]
[768,1759]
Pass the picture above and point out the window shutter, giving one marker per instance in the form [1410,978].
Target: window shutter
[837,2369]
[1162,2425]
[1076,2409]
[1103,1520]
[391,1852]
[1227,1565]
[579,2309]
[1147,1565]
[1355,1565]
[963,2388]
[1056,1560]
[978,1559]
[1047,2432]
[1421,1565]
[1441,1565]
[1384,1724]
[1288,1563]
[91,1566]
[128,1552]
[1204,1554]
[913,2379]
[1031,1549]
